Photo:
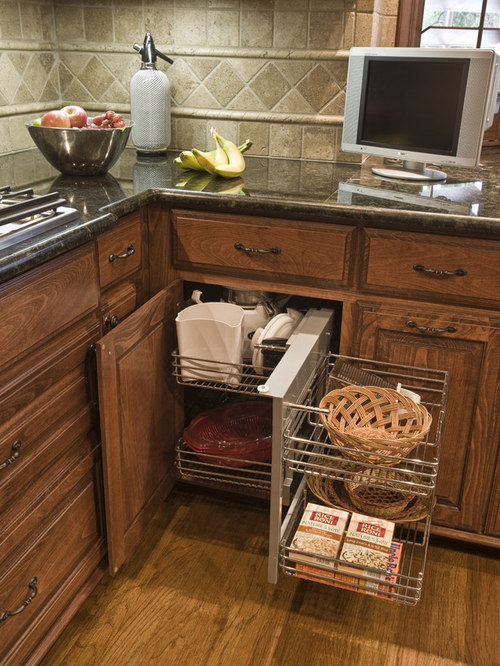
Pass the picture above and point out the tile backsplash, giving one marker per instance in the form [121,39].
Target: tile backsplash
[272,71]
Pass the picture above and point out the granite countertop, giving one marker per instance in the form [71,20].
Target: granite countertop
[466,203]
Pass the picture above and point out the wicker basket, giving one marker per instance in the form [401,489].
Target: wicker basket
[386,499]
[374,421]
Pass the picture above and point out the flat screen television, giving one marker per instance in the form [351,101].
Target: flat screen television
[419,105]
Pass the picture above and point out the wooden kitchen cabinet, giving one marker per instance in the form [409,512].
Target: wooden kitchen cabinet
[140,419]
[467,345]
[52,537]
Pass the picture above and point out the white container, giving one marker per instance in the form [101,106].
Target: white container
[210,339]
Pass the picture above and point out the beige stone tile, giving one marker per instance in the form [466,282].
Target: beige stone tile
[284,5]
[319,143]
[223,28]
[31,21]
[19,61]
[115,95]
[123,67]
[290,29]
[246,101]
[36,76]
[256,28]
[10,21]
[201,98]
[159,21]
[9,77]
[363,30]
[247,68]
[98,25]
[336,106]
[23,95]
[285,140]
[258,134]
[202,67]
[294,70]
[270,85]
[69,23]
[331,5]
[129,25]
[226,128]
[318,87]
[190,27]
[5,144]
[96,77]
[224,83]
[183,82]
[338,69]
[293,103]
[191,133]
[326,30]
[75,93]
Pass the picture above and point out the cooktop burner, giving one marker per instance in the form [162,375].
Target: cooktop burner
[24,214]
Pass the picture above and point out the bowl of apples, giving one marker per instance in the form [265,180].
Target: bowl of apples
[78,145]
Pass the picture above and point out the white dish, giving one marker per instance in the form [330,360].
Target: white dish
[280,326]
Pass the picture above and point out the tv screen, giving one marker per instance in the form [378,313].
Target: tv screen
[418,105]
[413,105]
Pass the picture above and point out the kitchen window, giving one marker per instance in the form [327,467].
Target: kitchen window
[455,23]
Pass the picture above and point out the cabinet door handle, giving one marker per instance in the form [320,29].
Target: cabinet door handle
[32,585]
[16,447]
[438,272]
[111,321]
[243,248]
[130,250]
[430,329]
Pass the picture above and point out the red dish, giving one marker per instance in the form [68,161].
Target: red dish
[239,434]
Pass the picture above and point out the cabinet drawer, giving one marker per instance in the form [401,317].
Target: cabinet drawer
[297,251]
[120,251]
[464,270]
[117,303]
[68,531]
[44,302]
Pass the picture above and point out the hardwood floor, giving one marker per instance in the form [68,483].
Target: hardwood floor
[195,594]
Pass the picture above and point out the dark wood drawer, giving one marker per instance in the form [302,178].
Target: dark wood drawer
[313,253]
[42,303]
[67,533]
[466,271]
[120,251]
[117,303]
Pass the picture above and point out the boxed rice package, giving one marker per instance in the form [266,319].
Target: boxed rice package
[367,543]
[319,534]
[385,590]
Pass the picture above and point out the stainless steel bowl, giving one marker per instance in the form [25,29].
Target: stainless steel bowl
[81,152]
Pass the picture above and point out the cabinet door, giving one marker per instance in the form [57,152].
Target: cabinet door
[469,349]
[140,419]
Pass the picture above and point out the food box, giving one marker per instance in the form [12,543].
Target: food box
[367,545]
[384,589]
[319,534]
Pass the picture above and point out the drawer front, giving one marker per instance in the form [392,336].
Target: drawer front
[68,531]
[305,252]
[120,251]
[42,303]
[117,303]
[464,270]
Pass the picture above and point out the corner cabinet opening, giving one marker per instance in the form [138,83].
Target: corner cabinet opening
[306,466]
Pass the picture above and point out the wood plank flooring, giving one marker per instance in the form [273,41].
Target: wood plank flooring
[195,593]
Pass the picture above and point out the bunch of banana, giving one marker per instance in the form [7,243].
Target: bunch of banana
[226,160]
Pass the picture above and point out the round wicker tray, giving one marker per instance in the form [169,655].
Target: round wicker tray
[379,492]
[333,493]
[374,421]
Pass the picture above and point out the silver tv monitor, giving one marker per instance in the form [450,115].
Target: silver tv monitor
[419,105]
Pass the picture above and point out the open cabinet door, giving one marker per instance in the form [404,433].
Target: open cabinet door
[140,420]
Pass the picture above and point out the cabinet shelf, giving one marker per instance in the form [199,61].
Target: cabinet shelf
[254,477]
[404,587]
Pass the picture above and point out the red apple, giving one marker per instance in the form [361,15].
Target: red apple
[77,115]
[55,119]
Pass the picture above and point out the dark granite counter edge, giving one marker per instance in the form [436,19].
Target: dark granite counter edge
[31,253]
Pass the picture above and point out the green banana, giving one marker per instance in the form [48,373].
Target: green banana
[236,162]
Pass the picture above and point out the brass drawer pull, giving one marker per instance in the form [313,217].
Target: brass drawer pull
[435,271]
[32,585]
[130,250]
[243,248]
[430,329]
[16,447]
